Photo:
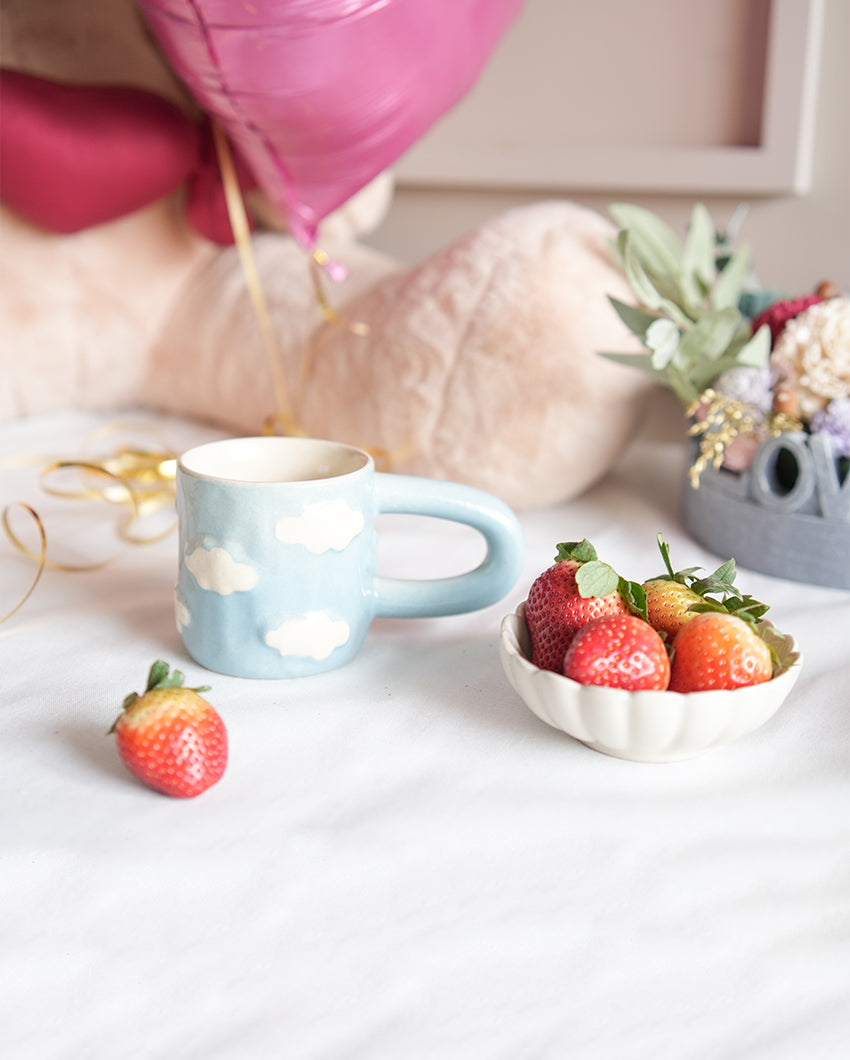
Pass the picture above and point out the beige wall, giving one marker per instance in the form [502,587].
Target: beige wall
[797,240]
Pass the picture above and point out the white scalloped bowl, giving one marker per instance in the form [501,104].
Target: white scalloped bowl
[644,726]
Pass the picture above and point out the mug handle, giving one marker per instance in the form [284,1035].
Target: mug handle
[491,580]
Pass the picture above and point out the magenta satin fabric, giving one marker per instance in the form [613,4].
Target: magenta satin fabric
[75,156]
[319,96]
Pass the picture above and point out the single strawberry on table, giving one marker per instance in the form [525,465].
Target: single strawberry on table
[170,737]
[578,588]
[619,651]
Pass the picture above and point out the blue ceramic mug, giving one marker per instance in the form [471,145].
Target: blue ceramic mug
[278,553]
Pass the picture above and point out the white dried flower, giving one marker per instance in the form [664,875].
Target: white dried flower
[812,355]
[662,337]
[750,386]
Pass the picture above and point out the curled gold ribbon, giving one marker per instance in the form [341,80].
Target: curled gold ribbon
[40,558]
[139,481]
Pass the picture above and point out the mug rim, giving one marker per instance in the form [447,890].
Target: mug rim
[273,442]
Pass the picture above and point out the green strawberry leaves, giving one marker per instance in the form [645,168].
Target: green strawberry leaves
[160,676]
[671,575]
[719,583]
[582,551]
[635,596]
[595,578]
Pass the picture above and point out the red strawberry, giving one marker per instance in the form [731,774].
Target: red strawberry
[577,589]
[717,650]
[171,738]
[776,316]
[620,651]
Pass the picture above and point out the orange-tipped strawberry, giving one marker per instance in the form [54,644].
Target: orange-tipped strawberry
[576,590]
[716,650]
[170,737]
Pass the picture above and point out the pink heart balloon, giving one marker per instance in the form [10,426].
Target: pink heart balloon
[319,96]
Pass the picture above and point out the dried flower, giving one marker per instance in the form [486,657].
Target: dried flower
[750,386]
[834,421]
[778,314]
[720,422]
[812,355]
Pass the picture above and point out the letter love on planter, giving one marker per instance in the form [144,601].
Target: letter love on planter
[788,515]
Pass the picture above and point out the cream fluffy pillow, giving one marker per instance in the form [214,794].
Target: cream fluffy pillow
[479,365]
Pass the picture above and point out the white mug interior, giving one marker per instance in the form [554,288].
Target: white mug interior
[267,460]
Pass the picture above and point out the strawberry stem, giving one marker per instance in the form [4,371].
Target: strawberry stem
[720,583]
[596,578]
[160,676]
[582,551]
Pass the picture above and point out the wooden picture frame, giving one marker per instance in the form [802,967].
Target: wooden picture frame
[471,147]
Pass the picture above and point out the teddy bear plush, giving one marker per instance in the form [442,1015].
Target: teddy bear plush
[479,364]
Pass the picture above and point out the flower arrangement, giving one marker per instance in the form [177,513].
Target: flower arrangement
[746,362]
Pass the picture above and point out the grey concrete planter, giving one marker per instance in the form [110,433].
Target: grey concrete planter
[788,515]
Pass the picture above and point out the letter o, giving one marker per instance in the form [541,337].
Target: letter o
[766,487]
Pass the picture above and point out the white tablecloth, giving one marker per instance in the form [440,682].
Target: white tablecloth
[401,861]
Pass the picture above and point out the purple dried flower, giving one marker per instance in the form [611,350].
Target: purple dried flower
[834,421]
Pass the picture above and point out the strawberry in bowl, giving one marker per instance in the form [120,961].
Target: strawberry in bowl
[657,671]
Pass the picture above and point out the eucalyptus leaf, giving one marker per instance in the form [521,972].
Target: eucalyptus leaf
[682,384]
[698,256]
[703,373]
[633,360]
[751,355]
[655,241]
[756,352]
[693,294]
[710,336]
[680,317]
[645,291]
[636,320]
[742,335]
[730,283]
[664,274]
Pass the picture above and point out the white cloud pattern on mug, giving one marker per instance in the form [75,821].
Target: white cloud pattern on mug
[215,569]
[315,635]
[321,527]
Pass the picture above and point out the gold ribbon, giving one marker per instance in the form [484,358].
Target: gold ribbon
[242,235]
[139,481]
[41,558]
